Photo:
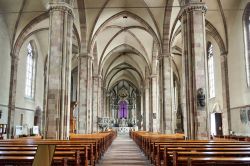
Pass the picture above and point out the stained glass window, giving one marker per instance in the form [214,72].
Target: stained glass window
[123,110]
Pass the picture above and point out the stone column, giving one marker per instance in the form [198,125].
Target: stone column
[100,103]
[134,110]
[226,115]
[154,105]
[85,93]
[146,106]
[108,105]
[154,111]
[142,108]
[43,129]
[59,70]
[167,92]
[138,111]
[192,16]
[95,103]
[104,100]
[113,116]
[12,95]
[74,86]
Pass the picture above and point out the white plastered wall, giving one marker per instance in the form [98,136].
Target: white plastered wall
[215,104]
[25,105]
[239,92]
[5,63]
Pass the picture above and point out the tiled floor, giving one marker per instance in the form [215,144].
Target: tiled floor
[124,152]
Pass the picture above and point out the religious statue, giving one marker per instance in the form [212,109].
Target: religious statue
[201,97]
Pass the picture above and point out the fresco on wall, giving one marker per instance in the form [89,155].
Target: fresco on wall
[243,116]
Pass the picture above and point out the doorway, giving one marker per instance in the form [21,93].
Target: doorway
[216,124]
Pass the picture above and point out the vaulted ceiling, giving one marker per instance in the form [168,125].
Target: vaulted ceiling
[124,35]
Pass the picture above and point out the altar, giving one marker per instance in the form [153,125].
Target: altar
[124,130]
[123,126]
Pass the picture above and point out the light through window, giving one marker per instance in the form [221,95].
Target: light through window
[246,20]
[211,70]
[30,71]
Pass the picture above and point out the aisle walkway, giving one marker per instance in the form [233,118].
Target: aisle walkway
[124,152]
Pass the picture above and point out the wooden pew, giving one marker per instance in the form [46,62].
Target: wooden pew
[167,153]
[155,150]
[161,150]
[210,158]
[79,153]
[103,139]
[146,140]
[231,137]
[20,155]
[66,152]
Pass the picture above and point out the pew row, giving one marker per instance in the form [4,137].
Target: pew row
[86,150]
[170,150]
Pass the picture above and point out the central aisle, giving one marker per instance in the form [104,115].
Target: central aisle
[122,152]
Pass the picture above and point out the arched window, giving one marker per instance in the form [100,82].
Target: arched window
[210,61]
[246,23]
[123,109]
[30,72]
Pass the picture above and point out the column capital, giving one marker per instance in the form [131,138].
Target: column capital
[14,57]
[97,76]
[61,6]
[153,76]
[85,55]
[166,55]
[224,54]
[107,94]
[155,57]
[190,7]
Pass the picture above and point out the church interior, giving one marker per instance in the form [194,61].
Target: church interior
[106,71]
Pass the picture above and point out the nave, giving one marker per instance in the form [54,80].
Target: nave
[75,73]
[122,152]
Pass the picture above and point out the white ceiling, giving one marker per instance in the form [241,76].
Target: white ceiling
[119,41]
